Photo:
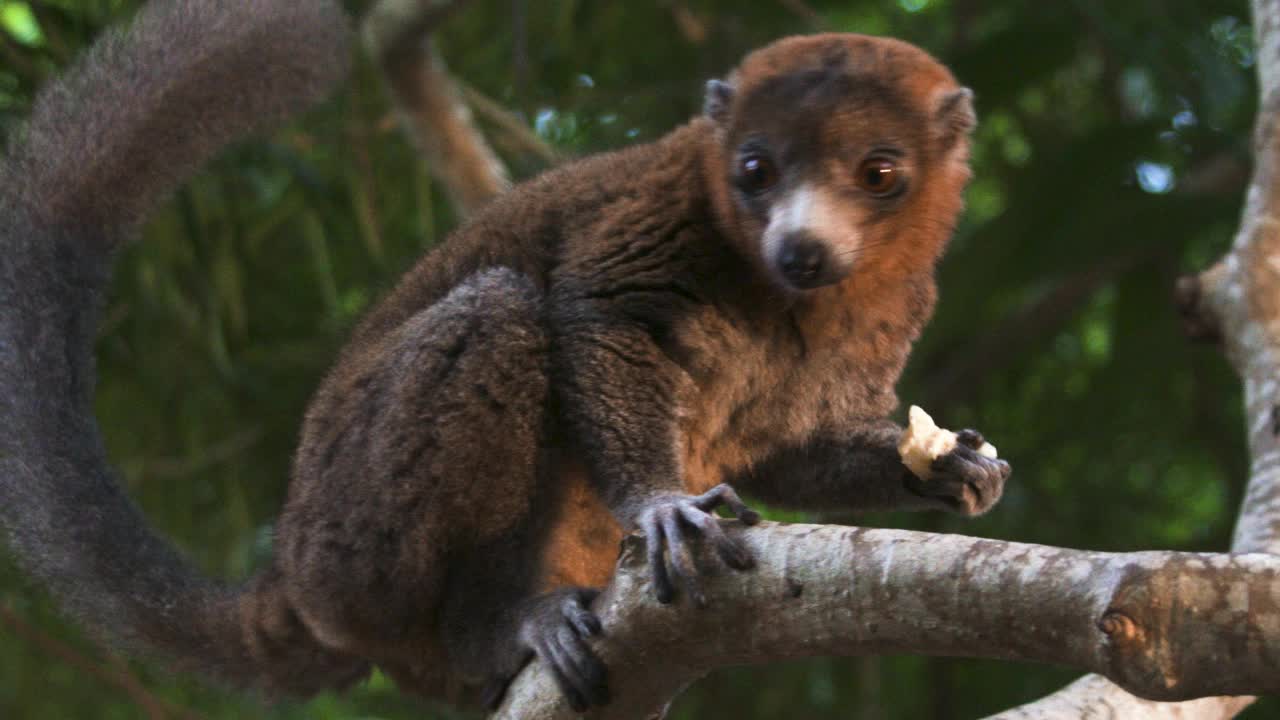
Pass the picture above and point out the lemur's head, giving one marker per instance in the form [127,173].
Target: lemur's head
[835,148]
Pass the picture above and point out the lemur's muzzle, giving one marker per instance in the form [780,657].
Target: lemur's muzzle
[804,261]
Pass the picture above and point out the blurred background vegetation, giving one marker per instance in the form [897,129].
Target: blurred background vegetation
[1112,155]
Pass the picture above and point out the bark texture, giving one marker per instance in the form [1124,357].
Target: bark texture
[1164,625]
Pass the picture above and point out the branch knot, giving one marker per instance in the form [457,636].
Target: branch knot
[1118,627]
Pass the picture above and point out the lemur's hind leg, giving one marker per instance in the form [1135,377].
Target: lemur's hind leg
[424,450]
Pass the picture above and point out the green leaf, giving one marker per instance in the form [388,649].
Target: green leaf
[18,20]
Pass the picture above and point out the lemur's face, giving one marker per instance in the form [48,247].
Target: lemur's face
[831,145]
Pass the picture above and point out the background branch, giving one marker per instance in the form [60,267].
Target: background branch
[518,135]
[119,676]
[397,33]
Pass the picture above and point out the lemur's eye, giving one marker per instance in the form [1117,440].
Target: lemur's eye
[879,176]
[757,173]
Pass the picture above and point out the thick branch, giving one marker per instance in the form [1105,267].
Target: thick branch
[1165,625]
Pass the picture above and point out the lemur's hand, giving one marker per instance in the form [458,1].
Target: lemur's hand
[557,627]
[963,480]
[667,521]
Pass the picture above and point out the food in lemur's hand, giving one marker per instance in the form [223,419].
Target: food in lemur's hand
[924,442]
[611,347]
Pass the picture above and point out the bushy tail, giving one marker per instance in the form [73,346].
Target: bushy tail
[138,114]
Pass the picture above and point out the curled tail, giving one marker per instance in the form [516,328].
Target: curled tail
[138,114]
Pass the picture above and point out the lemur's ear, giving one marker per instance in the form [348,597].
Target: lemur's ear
[719,97]
[954,117]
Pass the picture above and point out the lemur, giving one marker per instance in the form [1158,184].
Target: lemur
[611,347]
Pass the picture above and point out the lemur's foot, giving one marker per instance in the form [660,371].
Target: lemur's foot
[668,521]
[963,480]
[555,628]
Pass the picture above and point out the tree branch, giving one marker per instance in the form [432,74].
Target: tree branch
[519,135]
[397,33]
[1160,624]
[1095,696]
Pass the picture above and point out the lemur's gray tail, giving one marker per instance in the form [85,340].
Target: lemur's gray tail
[138,114]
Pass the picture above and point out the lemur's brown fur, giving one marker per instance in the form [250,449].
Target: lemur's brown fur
[601,350]
[674,362]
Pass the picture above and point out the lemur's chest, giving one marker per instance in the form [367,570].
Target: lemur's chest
[776,382]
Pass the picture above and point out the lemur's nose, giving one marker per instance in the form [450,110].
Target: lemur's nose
[802,260]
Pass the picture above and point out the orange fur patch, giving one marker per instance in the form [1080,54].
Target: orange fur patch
[581,548]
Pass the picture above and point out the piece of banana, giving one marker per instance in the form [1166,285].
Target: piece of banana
[923,442]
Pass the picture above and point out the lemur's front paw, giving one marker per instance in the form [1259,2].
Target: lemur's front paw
[555,627]
[963,480]
[668,521]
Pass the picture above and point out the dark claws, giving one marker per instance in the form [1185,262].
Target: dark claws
[724,494]
[965,481]
[668,523]
[662,587]
[681,557]
[732,553]
[583,620]
[563,672]
[556,627]
[971,439]
[578,669]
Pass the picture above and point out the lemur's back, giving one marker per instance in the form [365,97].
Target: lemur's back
[524,229]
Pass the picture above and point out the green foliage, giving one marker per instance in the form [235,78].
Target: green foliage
[1111,157]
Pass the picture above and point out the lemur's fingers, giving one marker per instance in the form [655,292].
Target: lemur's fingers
[577,611]
[554,657]
[681,557]
[951,494]
[654,544]
[732,552]
[672,522]
[971,483]
[971,438]
[556,628]
[724,494]
[578,661]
